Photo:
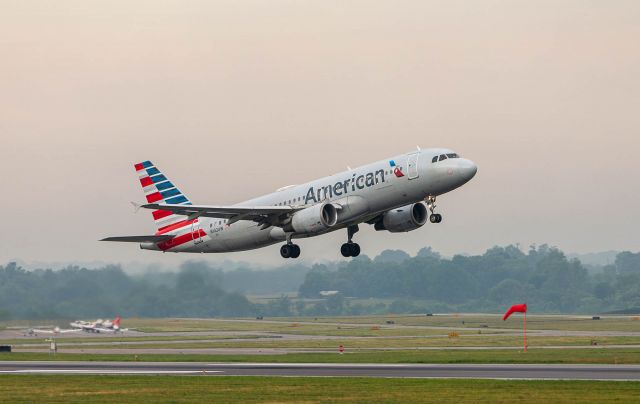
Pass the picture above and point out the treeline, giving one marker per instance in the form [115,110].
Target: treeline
[81,293]
[392,282]
[544,277]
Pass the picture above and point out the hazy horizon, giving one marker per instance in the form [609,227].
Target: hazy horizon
[236,99]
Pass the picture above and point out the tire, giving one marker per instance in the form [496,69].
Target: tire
[285,251]
[345,250]
[433,218]
[295,251]
[439,218]
[355,250]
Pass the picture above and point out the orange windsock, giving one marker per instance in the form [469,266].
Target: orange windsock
[516,308]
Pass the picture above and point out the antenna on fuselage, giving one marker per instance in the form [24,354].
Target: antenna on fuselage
[136,206]
[418,147]
[348,168]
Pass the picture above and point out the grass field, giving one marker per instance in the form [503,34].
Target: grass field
[346,325]
[62,388]
[401,338]
[380,343]
[534,322]
[284,325]
[568,356]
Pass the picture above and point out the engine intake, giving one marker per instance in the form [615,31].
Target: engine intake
[314,219]
[403,219]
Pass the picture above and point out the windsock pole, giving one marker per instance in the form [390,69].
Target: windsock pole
[525,331]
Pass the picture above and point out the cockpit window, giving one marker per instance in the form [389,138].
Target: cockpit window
[434,159]
[443,157]
[452,155]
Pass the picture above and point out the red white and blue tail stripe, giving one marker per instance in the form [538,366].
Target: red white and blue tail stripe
[158,189]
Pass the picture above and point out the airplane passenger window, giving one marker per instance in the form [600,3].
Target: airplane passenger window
[434,159]
[443,157]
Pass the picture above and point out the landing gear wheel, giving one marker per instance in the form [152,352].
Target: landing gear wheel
[345,250]
[355,249]
[290,251]
[295,251]
[285,251]
[350,250]
[431,204]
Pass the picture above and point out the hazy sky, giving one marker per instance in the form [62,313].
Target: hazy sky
[233,99]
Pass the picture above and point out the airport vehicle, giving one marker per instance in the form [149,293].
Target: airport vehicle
[98,325]
[389,194]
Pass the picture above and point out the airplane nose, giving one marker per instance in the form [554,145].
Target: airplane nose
[467,169]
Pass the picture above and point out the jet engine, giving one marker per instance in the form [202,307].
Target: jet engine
[314,219]
[403,219]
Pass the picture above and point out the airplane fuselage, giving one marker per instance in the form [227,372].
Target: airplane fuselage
[364,193]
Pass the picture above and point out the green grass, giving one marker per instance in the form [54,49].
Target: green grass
[73,388]
[534,322]
[496,341]
[281,325]
[568,356]
[40,340]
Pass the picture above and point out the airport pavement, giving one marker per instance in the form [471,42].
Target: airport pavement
[508,371]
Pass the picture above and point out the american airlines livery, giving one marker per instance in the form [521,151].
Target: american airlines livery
[390,195]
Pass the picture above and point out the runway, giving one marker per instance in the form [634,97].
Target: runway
[502,371]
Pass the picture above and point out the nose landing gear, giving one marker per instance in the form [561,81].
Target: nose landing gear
[350,249]
[431,204]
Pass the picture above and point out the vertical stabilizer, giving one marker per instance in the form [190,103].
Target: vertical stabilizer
[158,189]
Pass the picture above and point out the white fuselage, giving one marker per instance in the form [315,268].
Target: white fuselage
[366,191]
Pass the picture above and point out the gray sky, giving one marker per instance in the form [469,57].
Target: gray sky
[232,99]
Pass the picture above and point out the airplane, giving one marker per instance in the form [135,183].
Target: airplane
[99,325]
[54,331]
[397,194]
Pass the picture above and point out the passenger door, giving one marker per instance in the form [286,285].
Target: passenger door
[412,166]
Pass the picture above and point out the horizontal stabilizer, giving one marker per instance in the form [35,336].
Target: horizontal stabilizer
[139,239]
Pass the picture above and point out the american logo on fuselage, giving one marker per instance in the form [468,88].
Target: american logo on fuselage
[357,181]
[396,170]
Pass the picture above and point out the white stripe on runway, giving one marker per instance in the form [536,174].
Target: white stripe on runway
[111,371]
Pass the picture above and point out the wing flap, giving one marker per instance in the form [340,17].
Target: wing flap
[246,212]
[139,239]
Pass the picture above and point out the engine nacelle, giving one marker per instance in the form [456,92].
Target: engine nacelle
[314,219]
[403,219]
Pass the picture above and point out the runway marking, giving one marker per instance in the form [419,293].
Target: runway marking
[110,371]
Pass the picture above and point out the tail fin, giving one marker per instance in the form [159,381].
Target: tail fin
[116,322]
[157,188]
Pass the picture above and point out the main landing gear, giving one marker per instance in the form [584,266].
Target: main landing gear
[290,250]
[431,204]
[350,249]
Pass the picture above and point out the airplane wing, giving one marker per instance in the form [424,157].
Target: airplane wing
[139,239]
[107,330]
[42,331]
[233,213]
[70,330]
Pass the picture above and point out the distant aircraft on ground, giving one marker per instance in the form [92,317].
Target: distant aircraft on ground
[54,331]
[98,325]
[388,194]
